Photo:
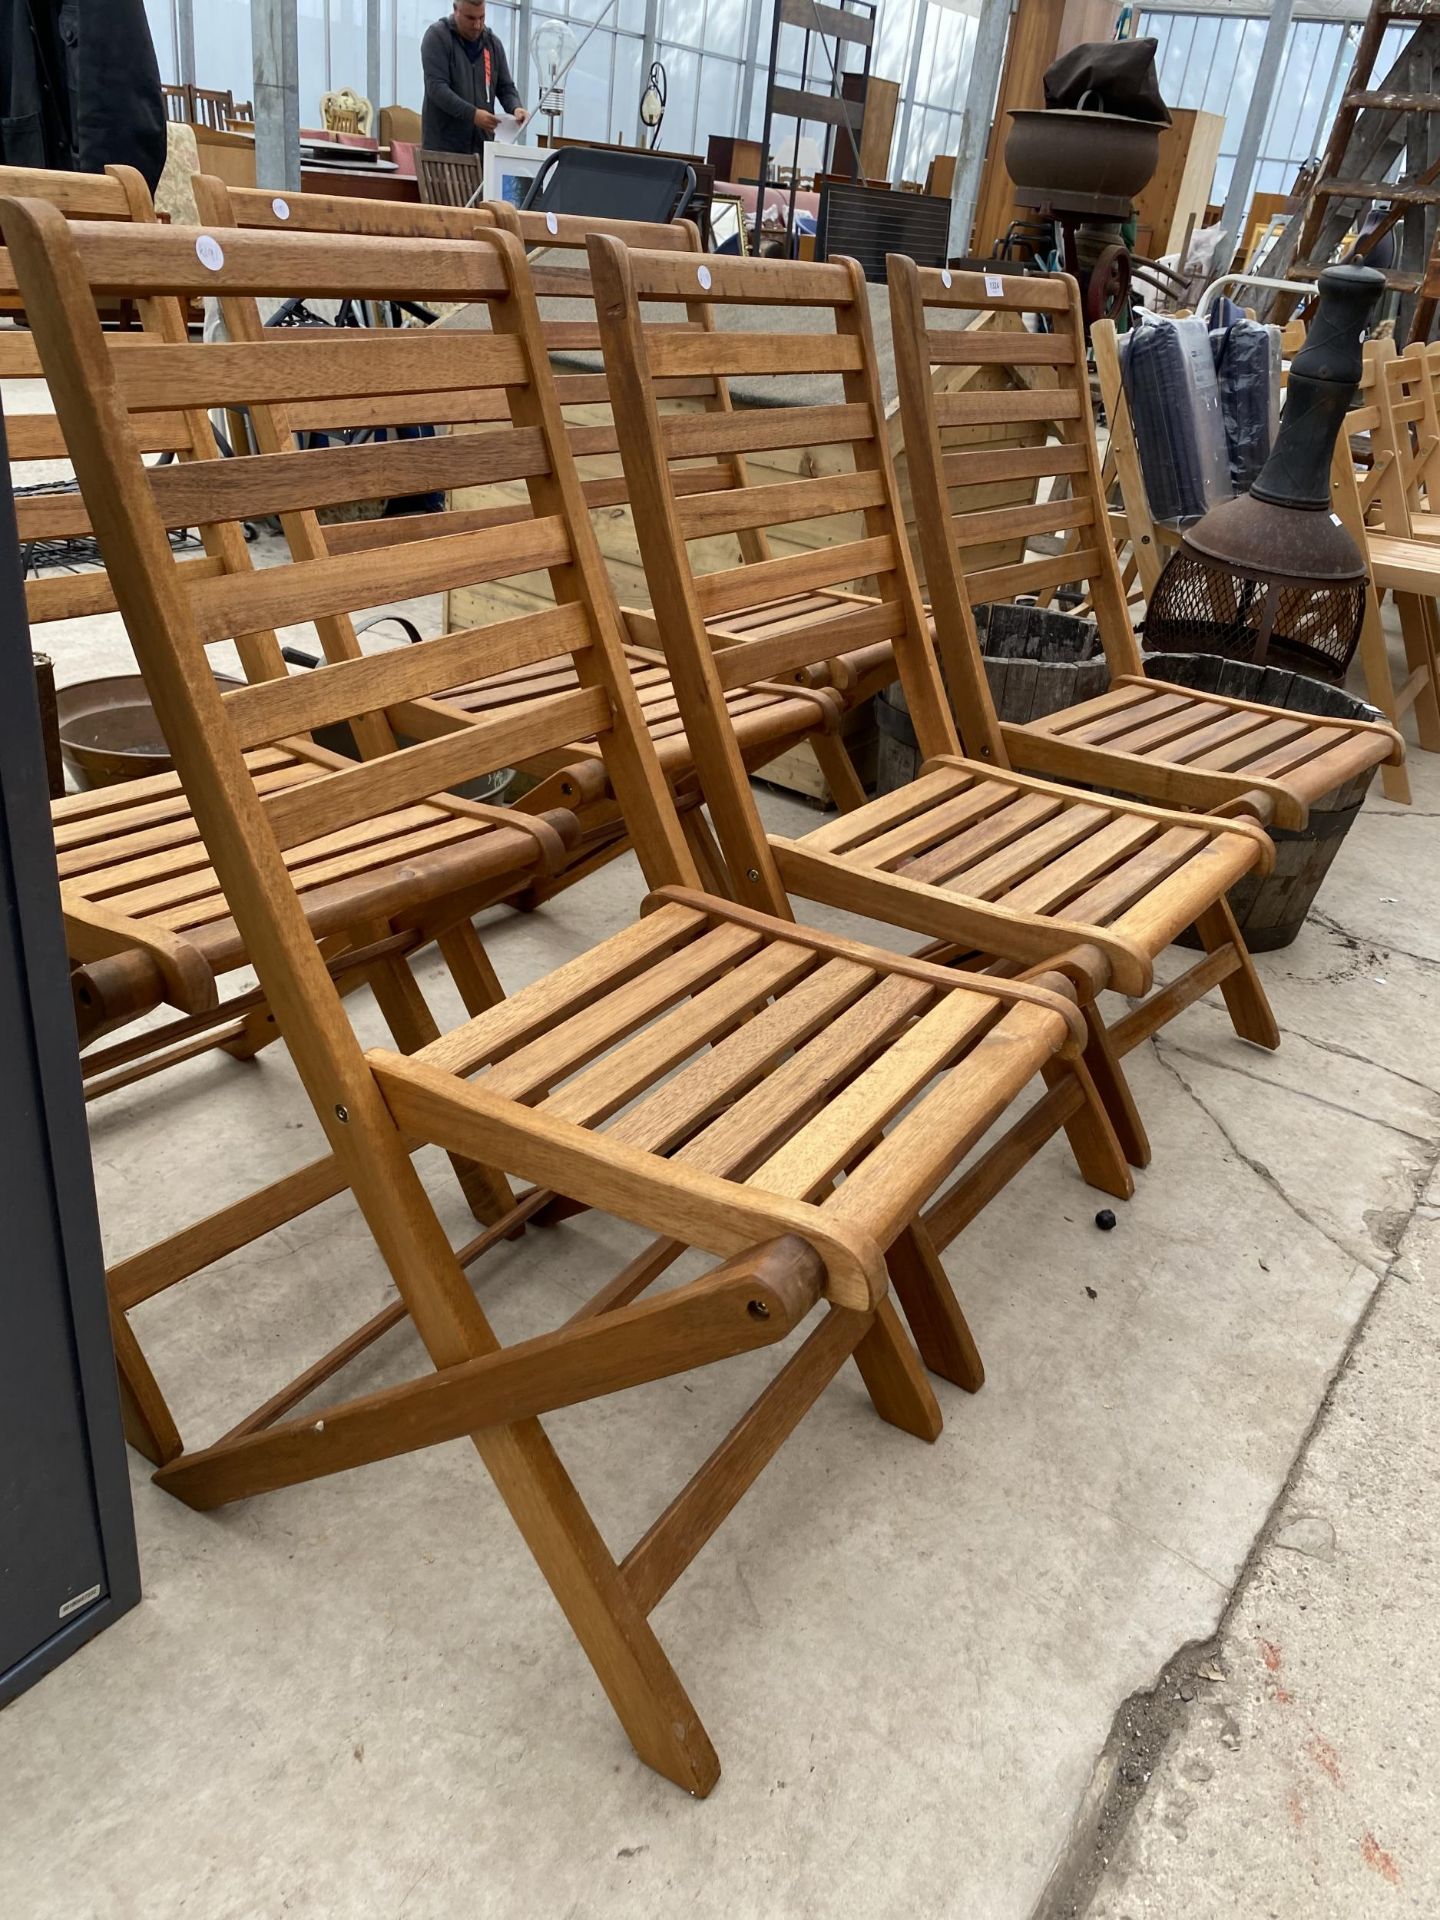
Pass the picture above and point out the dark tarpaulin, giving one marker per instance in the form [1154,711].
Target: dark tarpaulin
[1108,76]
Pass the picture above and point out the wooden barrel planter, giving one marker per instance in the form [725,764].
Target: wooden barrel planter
[1036,660]
[1272,911]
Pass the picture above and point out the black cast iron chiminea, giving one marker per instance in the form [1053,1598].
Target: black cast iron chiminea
[1274,576]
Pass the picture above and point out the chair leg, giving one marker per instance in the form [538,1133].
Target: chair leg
[261,1029]
[1418,629]
[705,852]
[923,1289]
[1116,1102]
[487,1191]
[894,1377]
[629,1662]
[1380,690]
[464,954]
[1244,995]
[146,1418]
[837,770]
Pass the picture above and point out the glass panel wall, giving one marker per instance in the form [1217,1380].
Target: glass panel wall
[1205,60]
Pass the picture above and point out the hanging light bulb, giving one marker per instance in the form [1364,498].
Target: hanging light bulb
[553,47]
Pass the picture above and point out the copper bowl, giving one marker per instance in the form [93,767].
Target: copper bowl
[109,731]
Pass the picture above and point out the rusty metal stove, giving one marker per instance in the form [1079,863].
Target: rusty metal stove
[1274,577]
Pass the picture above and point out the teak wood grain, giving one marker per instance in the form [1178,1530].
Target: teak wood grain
[699,1008]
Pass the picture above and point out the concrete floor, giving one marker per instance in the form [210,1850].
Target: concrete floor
[357,1698]
[1299,1774]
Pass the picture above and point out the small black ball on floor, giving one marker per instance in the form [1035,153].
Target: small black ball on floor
[1105,1219]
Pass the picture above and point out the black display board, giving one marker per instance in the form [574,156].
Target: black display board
[866,223]
[67,1537]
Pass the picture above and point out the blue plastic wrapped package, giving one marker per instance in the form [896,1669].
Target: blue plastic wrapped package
[1174,400]
[1247,366]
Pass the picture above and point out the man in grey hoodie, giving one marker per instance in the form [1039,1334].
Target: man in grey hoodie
[467,81]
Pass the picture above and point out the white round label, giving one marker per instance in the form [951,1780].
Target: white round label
[552,223]
[280,208]
[702,274]
[209,253]
[946,279]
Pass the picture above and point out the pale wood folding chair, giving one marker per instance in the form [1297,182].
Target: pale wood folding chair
[1148,737]
[771,717]
[724,1079]
[1385,505]
[147,924]
[1411,433]
[987,861]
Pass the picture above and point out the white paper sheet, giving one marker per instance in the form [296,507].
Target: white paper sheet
[508,131]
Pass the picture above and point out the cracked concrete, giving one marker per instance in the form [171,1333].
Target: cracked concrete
[1294,1774]
[355,1698]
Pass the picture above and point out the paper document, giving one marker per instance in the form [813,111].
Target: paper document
[508,131]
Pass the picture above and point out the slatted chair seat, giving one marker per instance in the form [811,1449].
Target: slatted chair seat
[997,867]
[763,711]
[723,1078]
[995,862]
[132,857]
[1292,759]
[800,1070]
[1184,748]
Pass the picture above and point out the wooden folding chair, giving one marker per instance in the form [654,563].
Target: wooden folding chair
[1385,506]
[985,860]
[724,1079]
[448,179]
[114,983]
[146,922]
[771,718]
[1162,742]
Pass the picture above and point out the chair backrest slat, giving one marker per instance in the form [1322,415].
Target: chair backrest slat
[256,208]
[406,361]
[684,356]
[276,709]
[198,492]
[341,799]
[762,430]
[732,589]
[306,589]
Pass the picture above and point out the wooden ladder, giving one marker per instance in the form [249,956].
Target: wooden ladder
[1376,126]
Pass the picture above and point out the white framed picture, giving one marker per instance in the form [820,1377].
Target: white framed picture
[509,170]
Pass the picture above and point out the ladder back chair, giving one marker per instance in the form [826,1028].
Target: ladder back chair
[771,717]
[989,862]
[1386,504]
[147,921]
[449,179]
[725,1080]
[371,907]
[1165,743]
